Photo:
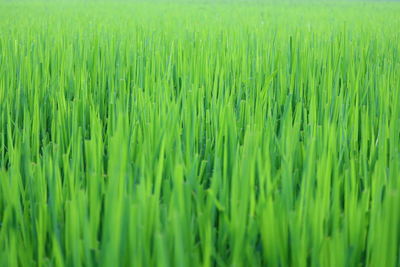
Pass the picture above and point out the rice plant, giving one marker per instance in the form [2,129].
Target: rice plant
[199,133]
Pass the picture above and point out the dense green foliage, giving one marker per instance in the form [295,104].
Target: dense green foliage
[159,134]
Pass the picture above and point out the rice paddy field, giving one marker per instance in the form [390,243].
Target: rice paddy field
[240,133]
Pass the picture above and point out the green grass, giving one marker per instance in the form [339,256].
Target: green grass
[199,134]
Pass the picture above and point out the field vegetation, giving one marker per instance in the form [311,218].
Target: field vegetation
[200,134]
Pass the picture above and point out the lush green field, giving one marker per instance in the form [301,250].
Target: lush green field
[200,134]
